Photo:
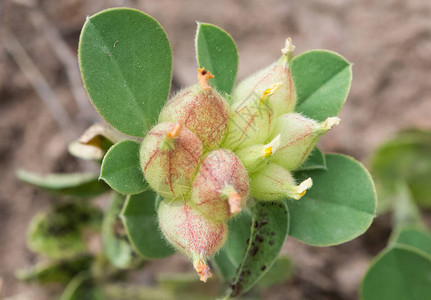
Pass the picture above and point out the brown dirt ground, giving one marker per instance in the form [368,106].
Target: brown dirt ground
[389,43]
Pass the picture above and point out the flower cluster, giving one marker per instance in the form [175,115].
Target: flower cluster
[206,157]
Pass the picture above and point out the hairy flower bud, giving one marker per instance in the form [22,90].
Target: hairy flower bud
[220,188]
[169,157]
[192,233]
[283,99]
[201,109]
[259,99]
[258,156]
[276,183]
[298,136]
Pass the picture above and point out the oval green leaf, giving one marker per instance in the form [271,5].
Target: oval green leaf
[339,206]
[398,273]
[121,169]
[126,65]
[270,226]
[115,243]
[416,238]
[322,82]
[316,161]
[216,51]
[74,184]
[139,217]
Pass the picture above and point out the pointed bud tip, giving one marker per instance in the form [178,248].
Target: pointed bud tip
[272,147]
[270,91]
[301,189]
[305,185]
[288,47]
[234,202]
[203,270]
[203,77]
[175,132]
[330,122]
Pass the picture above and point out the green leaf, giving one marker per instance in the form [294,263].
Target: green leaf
[82,287]
[121,169]
[216,51]
[228,259]
[406,157]
[58,233]
[417,238]
[322,82]
[115,243]
[339,206]
[270,226]
[139,217]
[280,272]
[316,161]
[398,273]
[55,271]
[126,65]
[74,184]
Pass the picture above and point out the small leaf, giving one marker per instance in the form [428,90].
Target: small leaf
[316,161]
[228,259]
[216,51]
[417,238]
[115,243]
[126,65]
[339,206]
[58,233]
[398,273]
[139,217]
[121,168]
[55,271]
[270,226]
[74,184]
[322,82]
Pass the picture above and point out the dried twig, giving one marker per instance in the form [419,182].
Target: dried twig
[67,58]
[39,83]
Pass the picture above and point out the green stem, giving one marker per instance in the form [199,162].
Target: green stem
[406,213]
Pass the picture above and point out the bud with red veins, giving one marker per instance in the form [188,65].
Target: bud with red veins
[192,233]
[274,183]
[201,109]
[284,98]
[258,156]
[221,187]
[298,137]
[250,121]
[169,157]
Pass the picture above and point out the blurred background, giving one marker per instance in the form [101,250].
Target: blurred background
[43,106]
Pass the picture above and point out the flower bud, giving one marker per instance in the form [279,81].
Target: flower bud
[220,188]
[276,183]
[192,233]
[250,121]
[298,137]
[201,109]
[257,156]
[169,157]
[283,99]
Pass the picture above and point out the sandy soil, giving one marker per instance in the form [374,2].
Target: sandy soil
[389,43]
